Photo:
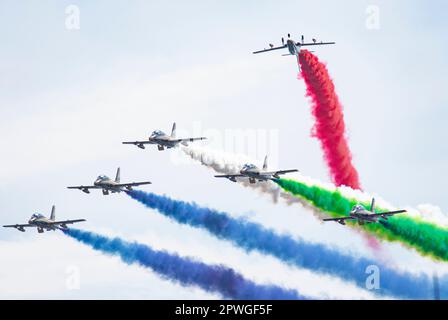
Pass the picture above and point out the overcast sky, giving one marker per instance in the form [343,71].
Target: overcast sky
[68,97]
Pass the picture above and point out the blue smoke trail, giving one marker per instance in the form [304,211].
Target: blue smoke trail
[317,257]
[213,278]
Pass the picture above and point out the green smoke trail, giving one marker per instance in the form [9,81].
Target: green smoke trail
[427,238]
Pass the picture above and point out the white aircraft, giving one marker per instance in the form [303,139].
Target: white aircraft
[42,223]
[254,173]
[162,140]
[293,47]
[108,185]
[362,215]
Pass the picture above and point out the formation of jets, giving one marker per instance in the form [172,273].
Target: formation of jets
[362,215]
[106,184]
[293,47]
[254,173]
[165,141]
[42,223]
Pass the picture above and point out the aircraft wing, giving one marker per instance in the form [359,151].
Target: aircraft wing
[276,173]
[340,220]
[19,226]
[67,221]
[229,175]
[138,142]
[389,213]
[190,139]
[84,187]
[314,44]
[132,184]
[270,49]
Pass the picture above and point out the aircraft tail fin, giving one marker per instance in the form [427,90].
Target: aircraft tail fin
[265,163]
[117,177]
[372,205]
[53,213]
[173,131]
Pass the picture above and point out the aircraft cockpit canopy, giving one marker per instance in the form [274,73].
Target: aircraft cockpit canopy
[157,133]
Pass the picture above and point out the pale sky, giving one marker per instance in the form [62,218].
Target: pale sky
[69,97]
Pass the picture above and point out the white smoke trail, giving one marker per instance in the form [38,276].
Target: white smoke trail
[227,163]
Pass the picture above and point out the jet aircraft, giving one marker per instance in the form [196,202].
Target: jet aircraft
[42,223]
[293,47]
[254,173]
[362,215]
[108,185]
[162,140]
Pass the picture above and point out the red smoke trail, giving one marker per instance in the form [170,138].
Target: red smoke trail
[329,127]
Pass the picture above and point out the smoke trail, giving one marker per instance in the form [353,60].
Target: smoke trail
[228,163]
[316,257]
[329,127]
[427,238]
[213,278]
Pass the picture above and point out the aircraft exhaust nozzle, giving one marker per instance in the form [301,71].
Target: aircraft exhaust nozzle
[85,190]
[141,146]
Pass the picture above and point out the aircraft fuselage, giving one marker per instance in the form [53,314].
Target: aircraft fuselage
[254,174]
[108,185]
[43,224]
[293,48]
[162,140]
[366,216]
